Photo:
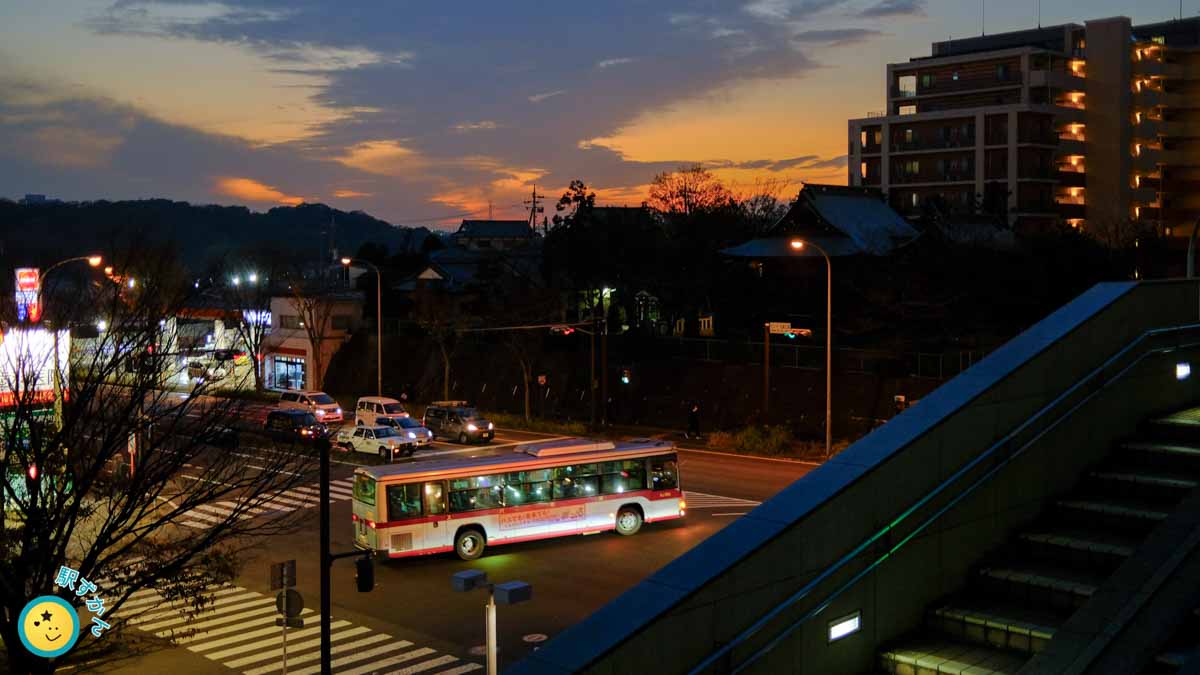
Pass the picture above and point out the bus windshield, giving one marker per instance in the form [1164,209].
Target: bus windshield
[364,489]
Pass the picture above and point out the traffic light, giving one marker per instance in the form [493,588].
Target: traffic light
[790,335]
[626,376]
[365,576]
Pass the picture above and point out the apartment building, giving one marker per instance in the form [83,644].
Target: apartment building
[1092,125]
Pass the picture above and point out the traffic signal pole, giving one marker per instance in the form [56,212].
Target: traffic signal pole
[326,560]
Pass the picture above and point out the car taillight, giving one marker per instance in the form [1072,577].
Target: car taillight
[354,517]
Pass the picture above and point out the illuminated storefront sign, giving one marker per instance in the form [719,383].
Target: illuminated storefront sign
[28,286]
[27,365]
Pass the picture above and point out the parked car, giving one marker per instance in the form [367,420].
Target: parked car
[294,425]
[317,402]
[197,370]
[220,436]
[409,428]
[372,410]
[457,420]
[385,441]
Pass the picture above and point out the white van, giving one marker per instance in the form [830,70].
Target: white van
[317,402]
[372,410]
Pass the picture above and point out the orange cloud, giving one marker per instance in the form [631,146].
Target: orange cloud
[385,158]
[350,194]
[250,190]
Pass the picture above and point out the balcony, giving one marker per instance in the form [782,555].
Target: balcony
[1144,195]
[1154,67]
[1072,211]
[1057,79]
[922,145]
[1148,128]
[1037,173]
[934,178]
[1072,178]
[944,87]
[1177,157]
[1070,146]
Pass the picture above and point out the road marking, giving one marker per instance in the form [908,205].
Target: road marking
[223,633]
[294,499]
[703,500]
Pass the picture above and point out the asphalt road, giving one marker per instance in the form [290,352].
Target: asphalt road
[572,576]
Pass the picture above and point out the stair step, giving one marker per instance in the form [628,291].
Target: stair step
[1079,542]
[1110,508]
[1152,480]
[1163,448]
[996,625]
[948,657]
[1040,579]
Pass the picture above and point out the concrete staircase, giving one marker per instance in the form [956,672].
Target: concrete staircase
[1018,596]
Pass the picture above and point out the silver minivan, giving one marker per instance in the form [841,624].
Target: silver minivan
[317,402]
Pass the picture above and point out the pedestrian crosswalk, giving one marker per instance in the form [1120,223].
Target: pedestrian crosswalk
[301,497]
[237,630]
[702,500]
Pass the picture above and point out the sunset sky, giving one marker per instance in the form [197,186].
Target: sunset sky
[420,112]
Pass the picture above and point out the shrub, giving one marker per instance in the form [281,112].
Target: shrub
[536,424]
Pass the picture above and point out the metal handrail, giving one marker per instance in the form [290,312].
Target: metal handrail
[988,454]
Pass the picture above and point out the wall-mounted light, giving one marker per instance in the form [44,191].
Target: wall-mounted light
[1183,371]
[845,626]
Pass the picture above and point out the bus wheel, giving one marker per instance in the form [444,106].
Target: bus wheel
[629,521]
[469,544]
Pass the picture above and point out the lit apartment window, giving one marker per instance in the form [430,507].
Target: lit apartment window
[908,110]
[863,140]
[878,136]
[907,85]
[954,76]
[862,170]
[908,135]
[915,200]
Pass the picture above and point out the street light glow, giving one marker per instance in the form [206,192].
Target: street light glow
[797,244]
[253,278]
[346,262]
[237,281]
[132,282]
[94,260]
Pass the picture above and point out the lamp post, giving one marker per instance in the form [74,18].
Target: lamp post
[92,261]
[799,245]
[508,593]
[378,320]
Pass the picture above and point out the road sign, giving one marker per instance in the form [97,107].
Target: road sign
[290,622]
[283,575]
[289,602]
[779,328]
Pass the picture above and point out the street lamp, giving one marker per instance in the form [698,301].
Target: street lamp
[378,320]
[799,245]
[508,593]
[92,261]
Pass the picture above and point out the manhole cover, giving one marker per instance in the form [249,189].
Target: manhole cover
[536,637]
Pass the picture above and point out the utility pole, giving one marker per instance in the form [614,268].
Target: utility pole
[534,209]
[326,560]
[766,370]
[592,367]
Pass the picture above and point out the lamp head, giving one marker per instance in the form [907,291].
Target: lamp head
[346,262]
[797,244]
[95,260]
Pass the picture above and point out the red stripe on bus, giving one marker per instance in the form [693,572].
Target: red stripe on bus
[518,540]
[649,495]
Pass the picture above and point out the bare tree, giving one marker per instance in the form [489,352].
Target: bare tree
[313,301]
[440,315]
[762,205]
[112,489]
[246,291]
[688,190]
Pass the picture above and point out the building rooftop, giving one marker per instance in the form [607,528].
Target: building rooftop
[512,229]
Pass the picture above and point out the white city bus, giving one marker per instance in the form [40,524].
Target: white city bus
[539,491]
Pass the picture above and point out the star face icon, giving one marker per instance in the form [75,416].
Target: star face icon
[46,616]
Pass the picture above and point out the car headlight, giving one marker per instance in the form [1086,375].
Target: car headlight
[472,427]
[429,433]
[338,411]
[320,412]
[412,434]
[491,426]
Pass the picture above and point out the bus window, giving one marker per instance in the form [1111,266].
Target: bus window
[573,488]
[404,501]
[474,500]
[435,498]
[364,489]
[620,477]
[521,487]
[664,475]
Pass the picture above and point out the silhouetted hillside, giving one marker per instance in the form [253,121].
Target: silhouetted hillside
[201,233]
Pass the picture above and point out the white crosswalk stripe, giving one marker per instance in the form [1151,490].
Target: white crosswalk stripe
[701,500]
[300,497]
[237,629]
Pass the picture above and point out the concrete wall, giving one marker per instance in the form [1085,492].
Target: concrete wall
[684,612]
[1109,131]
